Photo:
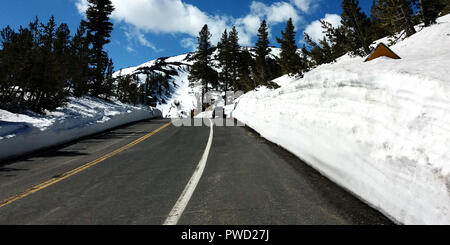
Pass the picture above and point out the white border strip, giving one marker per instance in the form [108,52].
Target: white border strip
[180,205]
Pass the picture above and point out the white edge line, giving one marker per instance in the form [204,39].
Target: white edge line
[183,200]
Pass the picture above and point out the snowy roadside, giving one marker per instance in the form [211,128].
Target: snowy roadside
[379,129]
[21,134]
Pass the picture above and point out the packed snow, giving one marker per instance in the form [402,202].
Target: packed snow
[380,129]
[21,134]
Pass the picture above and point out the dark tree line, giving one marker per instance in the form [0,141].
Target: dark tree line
[41,65]
[34,66]
[244,69]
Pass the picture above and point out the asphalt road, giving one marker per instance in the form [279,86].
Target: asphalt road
[246,180]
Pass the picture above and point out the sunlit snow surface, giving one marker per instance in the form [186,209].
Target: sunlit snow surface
[23,133]
[380,129]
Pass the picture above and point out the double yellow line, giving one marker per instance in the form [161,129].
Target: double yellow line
[64,176]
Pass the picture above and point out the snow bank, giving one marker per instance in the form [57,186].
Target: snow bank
[21,134]
[379,129]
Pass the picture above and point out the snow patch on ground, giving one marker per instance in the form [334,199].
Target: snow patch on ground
[379,129]
[21,134]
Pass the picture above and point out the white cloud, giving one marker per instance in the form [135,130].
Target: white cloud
[82,6]
[305,5]
[130,49]
[247,27]
[177,17]
[189,43]
[166,16]
[137,36]
[315,30]
[276,13]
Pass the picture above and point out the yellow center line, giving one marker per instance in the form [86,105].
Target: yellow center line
[64,176]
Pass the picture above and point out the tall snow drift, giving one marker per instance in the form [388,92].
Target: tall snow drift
[21,134]
[380,129]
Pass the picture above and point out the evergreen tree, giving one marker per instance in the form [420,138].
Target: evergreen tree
[446,8]
[12,63]
[245,63]
[396,16]
[154,84]
[262,73]
[99,31]
[358,27]
[81,75]
[328,49]
[228,57]
[234,53]
[34,65]
[225,59]
[62,59]
[378,31]
[430,10]
[290,60]
[336,40]
[201,70]
[25,71]
[128,90]
[108,86]
[50,77]
[315,52]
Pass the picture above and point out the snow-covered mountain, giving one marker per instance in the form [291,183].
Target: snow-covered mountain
[177,99]
[380,129]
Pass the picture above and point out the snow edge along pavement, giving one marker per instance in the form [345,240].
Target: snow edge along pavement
[34,139]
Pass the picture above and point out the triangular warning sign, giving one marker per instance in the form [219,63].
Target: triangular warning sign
[382,50]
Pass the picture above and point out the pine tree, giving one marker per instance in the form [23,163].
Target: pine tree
[378,31]
[80,76]
[108,86]
[36,67]
[290,61]
[9,69]
[262,73]
[430,10]
[396,16]
[446,8]
[315,52]
[225,60]
[358,27]
[245,63]
[26,70]
[335,44]
[50,77]
[337,40]
[62,60]
[234,52]
[228,55]
[99,31]
[128,90]
[201,70]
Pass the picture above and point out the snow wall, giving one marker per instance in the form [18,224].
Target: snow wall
[379,129]
[19,138]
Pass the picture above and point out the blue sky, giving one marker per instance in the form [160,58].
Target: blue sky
[148,29]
